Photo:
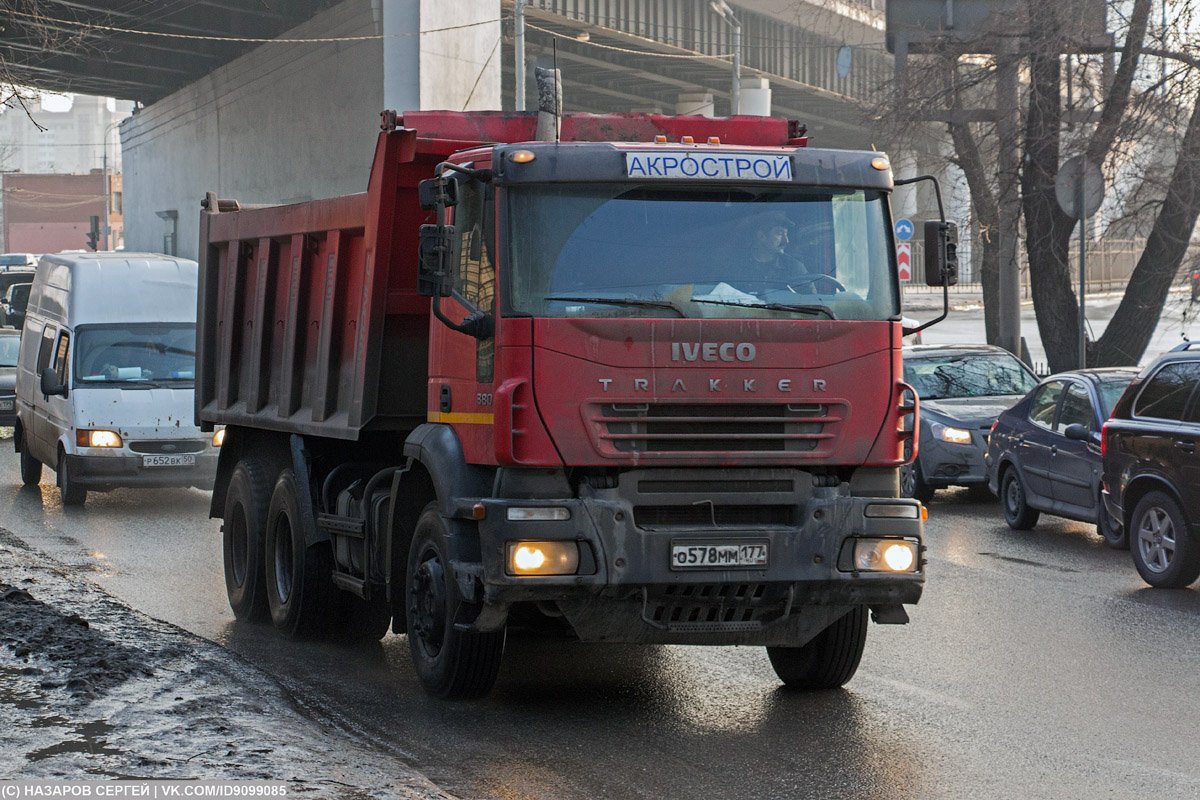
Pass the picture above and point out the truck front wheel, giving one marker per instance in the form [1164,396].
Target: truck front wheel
[299,584]
[829,660]
[247,500]
[450,663]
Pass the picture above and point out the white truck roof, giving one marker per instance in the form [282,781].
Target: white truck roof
[97,288]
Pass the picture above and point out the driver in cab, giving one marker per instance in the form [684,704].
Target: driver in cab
[769,263]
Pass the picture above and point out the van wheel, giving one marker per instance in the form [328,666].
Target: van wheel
[450,663]
[71,492]
[243,534]
[31,468]
[829,660]
[300,592]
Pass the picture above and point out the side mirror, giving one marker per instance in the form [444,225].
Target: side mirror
[941,253]
[50,384]
[434,190]
[1077,432]
[437,247]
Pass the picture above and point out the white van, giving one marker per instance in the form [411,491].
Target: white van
[106,372]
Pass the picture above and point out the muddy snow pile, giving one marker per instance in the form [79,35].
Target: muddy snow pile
[91,689]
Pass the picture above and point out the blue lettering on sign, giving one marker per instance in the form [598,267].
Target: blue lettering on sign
[690,166]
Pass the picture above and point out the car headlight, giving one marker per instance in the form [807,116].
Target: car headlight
[950,434]
[97,438]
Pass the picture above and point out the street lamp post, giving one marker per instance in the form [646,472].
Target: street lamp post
[726,13]
[107,198]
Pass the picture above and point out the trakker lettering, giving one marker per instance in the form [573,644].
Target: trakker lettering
[708,167]
[712,351]
[715,385]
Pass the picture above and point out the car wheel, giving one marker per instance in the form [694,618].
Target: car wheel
[247,500]
[1115,535]
[1165,554]
[71,492]
[300,591]
[912,483]
[829,660]
[1017,513]
[31,468]
[451,663]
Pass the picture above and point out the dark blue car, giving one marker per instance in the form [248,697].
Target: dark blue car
[1044,452]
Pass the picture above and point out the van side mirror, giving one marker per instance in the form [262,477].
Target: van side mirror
[437,247]
[50,384]
[941,253]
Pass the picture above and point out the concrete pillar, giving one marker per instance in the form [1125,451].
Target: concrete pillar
[454,62]
[696,103]
[755,97]
[401,55]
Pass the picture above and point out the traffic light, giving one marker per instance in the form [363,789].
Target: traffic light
[94,233]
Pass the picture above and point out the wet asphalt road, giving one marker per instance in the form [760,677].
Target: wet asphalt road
[1037,666]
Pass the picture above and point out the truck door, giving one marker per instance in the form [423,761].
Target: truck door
[462,367]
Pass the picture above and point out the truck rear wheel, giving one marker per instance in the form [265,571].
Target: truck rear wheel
[829,660]
[247,500]
[300,591]
[451,664]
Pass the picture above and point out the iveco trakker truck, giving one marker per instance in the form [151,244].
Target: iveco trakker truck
[566,381]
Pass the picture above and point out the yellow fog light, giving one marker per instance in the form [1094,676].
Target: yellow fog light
[86,438]
[885,555]
[543,558]
[219,438]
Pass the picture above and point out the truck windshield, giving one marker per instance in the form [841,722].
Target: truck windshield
[136,353]
[744,252]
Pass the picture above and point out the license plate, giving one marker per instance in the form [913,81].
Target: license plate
[6,404]
[188,460]
[718,555]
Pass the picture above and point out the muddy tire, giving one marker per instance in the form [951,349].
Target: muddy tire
[450,663]
[31,468]
[828,661]
[300,591]
[1015,503]
[243,539]
[73,495]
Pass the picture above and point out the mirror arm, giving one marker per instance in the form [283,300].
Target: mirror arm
[937,191]
[478,324]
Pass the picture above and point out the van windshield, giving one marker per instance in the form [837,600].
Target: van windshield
[142,353]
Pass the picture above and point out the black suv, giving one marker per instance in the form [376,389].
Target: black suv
[1152,468]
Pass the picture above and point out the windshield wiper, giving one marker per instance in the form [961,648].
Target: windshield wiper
[807,309]
[628,301]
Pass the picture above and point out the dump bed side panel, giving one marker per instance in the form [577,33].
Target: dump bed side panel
[309,321]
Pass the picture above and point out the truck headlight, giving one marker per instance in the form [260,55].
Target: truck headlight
[884,555]
[97,438]
[539,513]
[543,558]
[219,438]
[949,434]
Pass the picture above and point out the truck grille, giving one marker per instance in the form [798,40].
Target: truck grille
[168,446]
[711,428]
[714,608]
[707,515]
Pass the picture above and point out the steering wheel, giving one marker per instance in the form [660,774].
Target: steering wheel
[837,285]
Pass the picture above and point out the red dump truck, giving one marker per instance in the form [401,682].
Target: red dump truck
[643,384]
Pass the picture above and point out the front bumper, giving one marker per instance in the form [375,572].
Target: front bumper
[102,473]
[633,594]
[945,464]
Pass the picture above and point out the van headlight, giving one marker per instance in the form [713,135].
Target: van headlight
[97,438]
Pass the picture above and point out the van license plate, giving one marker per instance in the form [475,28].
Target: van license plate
[188,460]
[6,404]
[718,555]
